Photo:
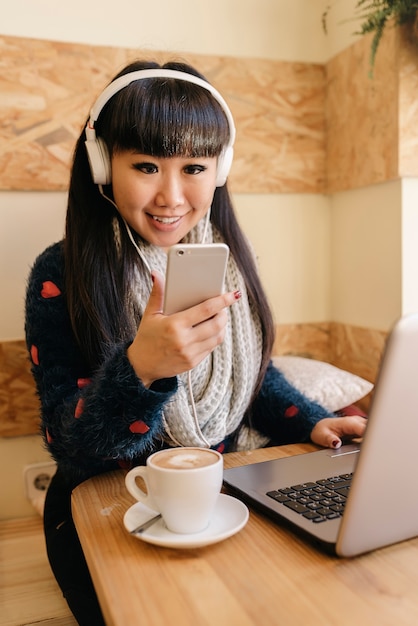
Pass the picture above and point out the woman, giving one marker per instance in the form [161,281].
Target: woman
[111,370]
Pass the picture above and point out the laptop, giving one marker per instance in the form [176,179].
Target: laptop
[362,496]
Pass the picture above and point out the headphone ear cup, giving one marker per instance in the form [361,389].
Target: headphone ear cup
[224,165]
[99,161]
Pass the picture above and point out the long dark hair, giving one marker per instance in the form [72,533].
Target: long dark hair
[163,118]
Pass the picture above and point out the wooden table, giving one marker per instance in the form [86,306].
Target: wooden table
[262,576]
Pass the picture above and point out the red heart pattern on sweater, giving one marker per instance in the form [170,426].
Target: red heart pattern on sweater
[50,290]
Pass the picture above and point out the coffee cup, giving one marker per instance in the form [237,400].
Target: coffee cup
[183,484]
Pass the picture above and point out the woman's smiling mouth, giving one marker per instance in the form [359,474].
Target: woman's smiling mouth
[166,220]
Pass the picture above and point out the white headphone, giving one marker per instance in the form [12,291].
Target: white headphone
[97,152]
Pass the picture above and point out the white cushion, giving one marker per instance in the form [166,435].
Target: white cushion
[329,386]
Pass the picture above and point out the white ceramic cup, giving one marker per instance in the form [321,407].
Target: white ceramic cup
[183,484]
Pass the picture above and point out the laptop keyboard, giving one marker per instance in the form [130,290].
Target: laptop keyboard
[320,501]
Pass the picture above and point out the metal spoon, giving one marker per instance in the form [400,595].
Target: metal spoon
[139,529]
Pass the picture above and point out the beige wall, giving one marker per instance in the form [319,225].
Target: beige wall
[291,235]
[30,221]
[366,256]
[274,29]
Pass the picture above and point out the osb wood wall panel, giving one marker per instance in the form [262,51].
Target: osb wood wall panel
[302,128]
[357,349]
[408,99]
[19,406]
[372,120]
[362,116]
[47,89]
[306,340]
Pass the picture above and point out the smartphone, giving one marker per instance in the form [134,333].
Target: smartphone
[195,272]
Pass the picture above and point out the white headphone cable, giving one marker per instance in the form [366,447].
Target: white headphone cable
[189,373]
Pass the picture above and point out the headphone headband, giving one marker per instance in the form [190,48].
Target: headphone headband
[96,148]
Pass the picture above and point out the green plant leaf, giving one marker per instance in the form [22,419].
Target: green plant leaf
[375,15]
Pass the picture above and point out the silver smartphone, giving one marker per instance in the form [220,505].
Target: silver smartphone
[195,272]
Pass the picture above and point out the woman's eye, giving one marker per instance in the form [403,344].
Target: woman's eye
[194,169]
[146,168]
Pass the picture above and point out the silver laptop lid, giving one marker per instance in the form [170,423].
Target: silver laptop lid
[382,507]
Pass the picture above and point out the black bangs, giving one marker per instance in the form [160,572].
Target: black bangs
[164,118]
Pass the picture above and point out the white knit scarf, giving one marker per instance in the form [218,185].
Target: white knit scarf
[223,383]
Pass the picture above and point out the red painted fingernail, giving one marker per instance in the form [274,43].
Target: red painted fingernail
[335,443]
[238,294]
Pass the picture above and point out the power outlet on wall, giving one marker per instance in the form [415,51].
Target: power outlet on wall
[37,478]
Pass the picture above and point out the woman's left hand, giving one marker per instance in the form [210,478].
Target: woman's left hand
[330,431]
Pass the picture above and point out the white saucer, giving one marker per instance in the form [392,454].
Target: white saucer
[229,517]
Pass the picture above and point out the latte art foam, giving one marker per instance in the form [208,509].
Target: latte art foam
[185,459]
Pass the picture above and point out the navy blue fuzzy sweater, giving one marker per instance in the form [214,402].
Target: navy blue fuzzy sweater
[97,421]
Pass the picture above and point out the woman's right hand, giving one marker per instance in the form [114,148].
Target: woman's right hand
[168,345]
